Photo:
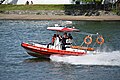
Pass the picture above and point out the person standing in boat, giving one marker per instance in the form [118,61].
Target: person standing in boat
[69,40]
[57,43]
[53,40]
[65,37]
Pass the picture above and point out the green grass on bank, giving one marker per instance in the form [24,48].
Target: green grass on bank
[31,7]
[73,7]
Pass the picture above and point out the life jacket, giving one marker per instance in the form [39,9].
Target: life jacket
[53,39]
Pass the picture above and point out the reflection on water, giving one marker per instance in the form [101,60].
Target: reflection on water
[16,64]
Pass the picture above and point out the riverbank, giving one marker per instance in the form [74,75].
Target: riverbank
[57,17]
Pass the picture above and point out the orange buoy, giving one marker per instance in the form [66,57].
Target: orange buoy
[100,40]
[88,42]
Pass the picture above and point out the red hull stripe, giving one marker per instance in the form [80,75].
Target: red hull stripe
[47,51]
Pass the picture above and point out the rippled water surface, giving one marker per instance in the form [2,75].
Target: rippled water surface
[16,64]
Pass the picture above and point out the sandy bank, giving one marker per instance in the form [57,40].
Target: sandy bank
[56,17]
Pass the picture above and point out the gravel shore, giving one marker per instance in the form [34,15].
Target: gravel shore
[57,17]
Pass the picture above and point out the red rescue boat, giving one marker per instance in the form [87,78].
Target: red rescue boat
[42,50]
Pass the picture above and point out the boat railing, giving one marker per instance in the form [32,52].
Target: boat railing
[90,42]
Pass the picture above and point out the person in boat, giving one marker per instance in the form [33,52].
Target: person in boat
[70,36]
[53,40]
[69,40]
[57,43]
[65,37]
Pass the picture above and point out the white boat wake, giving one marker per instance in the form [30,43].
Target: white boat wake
[102,58]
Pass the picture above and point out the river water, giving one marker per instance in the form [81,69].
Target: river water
[16,64]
